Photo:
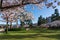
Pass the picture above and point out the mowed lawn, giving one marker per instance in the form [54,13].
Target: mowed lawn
[31,35]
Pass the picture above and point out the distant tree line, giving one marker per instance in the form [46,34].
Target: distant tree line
[53,17]
[41,20]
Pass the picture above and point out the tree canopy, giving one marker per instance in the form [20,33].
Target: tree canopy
[14,3]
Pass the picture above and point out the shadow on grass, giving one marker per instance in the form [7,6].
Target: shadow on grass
[18,36]
[39,31]
[57,36]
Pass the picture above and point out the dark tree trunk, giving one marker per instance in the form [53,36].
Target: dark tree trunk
[11,25]
[17,23]
[7,25]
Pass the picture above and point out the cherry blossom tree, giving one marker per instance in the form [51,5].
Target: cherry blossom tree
[28,19]
[25,16]
[22,3]
[18,12]
[15,5]
[8,16]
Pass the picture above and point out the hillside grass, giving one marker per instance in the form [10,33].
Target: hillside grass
[42,34]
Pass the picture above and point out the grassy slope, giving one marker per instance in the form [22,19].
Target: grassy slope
[31,35]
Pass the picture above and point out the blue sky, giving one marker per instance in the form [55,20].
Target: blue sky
[45,12]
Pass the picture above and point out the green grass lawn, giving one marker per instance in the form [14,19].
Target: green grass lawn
[31,35]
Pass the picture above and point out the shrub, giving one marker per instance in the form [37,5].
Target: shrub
[14,29]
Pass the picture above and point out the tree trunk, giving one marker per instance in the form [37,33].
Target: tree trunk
[7,25]
[17,23]
[1,4]
[22,23]
[11,25]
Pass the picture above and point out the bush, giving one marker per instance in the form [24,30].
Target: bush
[14,29]
[58,27]
[23,28]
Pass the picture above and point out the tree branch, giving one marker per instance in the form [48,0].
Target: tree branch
[24,2]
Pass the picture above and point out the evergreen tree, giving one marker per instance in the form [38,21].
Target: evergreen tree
[22,23]
[40,20]
[55,16]
[44,20]
[29,22]
[56,12]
